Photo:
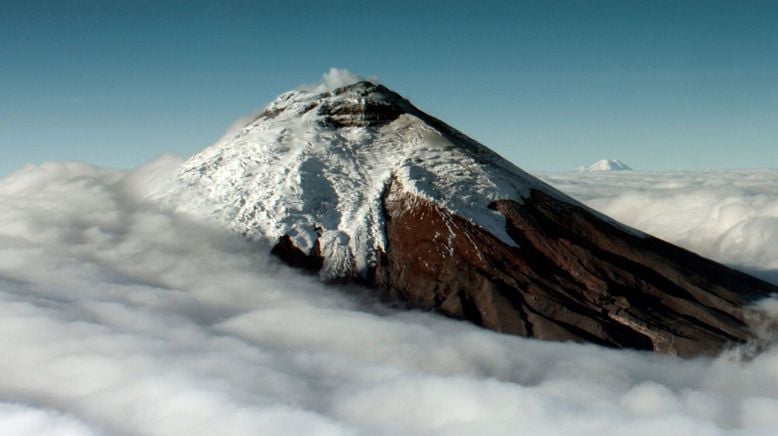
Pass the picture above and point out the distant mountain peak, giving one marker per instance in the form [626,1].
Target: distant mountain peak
[606,165]
[355,183]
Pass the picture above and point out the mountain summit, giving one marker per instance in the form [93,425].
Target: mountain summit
[356,183]
[606,165]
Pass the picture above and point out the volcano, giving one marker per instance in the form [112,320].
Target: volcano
[605,165]
[357,184]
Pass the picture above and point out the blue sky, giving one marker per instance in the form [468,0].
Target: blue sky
[548,84]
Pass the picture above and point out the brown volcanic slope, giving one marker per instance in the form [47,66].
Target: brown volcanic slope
[572,275]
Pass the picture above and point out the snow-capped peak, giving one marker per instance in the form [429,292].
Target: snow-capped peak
[606,165]
[314,167]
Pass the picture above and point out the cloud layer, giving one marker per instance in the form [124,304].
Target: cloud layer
[117,317]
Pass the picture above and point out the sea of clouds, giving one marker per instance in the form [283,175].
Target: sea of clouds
[119,318]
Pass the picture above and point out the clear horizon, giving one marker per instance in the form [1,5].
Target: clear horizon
[549,85]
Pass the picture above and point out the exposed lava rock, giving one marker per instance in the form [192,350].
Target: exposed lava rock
[365,111]
[294,257]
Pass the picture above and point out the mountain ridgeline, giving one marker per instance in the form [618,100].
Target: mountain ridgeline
[357,184]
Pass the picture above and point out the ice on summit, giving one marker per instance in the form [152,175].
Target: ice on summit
[605,165]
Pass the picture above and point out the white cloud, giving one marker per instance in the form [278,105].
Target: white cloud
[336,78]
[117,317]
[339,77]
[23,420]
